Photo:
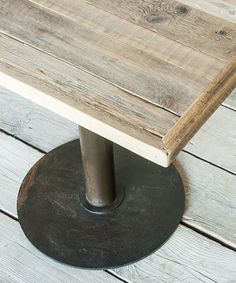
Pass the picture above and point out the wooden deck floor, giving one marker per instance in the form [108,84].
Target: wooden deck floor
[203,249]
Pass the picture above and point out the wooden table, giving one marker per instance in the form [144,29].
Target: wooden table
[145,75]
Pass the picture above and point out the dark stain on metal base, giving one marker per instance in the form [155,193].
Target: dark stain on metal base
[53,219]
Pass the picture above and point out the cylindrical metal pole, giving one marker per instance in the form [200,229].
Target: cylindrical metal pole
[98,164]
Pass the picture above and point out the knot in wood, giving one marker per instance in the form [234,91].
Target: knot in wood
[181,10]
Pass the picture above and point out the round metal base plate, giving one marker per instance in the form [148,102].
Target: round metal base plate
[54,219]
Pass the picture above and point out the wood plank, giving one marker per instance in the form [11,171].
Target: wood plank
[215,141]
[104,109]
[20,261]
[149,131]
[191,27]
[16,159]
[210,196]
[142,39]
[32,123]
[225,9]
[185,255]
[204,106]
[230,102]
[132,69]
[42,128]
[210,191]
[35,76]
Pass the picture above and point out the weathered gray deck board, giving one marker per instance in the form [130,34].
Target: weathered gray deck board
[215,141]
[21,262]
[43,129]
[186,256]
[231,101]
[33,123]
[210,191]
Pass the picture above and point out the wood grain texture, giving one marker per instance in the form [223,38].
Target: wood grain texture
[230,102]
[144,40]
[215,141]
[21,262]
[188,26]
[130,68]
[210,197]
[185,255]
[16,159]
[121,88]
[59,86]
[43,129]
[170,51]
[225,9]
[210,191]
[202,108]
[34,124]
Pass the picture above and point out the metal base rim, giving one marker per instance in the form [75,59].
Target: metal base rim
[145,216]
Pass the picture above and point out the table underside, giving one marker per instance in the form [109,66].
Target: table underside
[145,75]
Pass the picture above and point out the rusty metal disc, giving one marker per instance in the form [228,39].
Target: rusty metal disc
[54,219]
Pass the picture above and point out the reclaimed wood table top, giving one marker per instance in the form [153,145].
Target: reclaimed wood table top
[144,74]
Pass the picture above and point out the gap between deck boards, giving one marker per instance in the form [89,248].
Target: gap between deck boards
[129,272]
[198,230]
[184,150]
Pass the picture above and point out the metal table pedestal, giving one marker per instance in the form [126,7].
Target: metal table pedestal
[95,205]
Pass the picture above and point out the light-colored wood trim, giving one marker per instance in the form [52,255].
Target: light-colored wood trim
[198,113]
[150,152]
[43,129]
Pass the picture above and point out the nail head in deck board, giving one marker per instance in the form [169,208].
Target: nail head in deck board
[140,77]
